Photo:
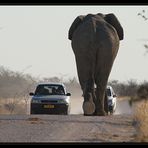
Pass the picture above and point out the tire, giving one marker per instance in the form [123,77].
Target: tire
[111,110]
[67,111]
[32,112]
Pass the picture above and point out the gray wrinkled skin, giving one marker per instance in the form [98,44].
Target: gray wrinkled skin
[95,43]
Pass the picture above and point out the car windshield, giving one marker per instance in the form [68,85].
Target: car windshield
[108,92]
[49,90]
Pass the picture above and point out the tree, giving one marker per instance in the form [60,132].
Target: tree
[143,15]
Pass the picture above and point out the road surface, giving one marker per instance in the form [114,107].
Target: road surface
[63,128]
[72,128]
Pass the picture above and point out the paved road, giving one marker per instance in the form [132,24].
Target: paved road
[62,128]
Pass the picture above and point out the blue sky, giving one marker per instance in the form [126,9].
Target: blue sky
[34,39]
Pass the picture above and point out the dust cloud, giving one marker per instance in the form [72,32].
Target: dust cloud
[76,105]
[123,106]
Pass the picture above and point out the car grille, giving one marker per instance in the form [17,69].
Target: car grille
[39,109]
[49,101]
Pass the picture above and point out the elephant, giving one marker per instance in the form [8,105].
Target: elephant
[95,40]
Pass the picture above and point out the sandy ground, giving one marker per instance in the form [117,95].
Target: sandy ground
[72,128]
[62,128]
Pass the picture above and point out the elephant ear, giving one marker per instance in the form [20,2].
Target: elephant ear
[112,19]
[74,25]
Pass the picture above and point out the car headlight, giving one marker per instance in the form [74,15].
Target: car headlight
[62,101]
[35,101]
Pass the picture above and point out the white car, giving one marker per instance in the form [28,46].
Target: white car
[112,99]
[50,98]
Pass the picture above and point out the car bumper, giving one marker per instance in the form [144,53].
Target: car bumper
[40,108]
[110,107]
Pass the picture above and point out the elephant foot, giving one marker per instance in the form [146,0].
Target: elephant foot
[100,113]
[88,114]
[88,108]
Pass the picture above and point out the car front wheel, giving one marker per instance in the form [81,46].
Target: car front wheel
[67,111]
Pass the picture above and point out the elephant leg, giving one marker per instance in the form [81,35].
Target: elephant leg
[99,104]
[85,74]
[105,106]
[106,103]
[88,104]
[101,78]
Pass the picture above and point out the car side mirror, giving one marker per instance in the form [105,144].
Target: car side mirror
[68,94]
[31,93]
[115,95]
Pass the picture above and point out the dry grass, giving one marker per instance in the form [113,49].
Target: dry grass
[120,98]
[141,121]
[12,106]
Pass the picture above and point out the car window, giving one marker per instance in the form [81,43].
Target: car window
[108,92]
[41,90]
[49,90]
[60,90]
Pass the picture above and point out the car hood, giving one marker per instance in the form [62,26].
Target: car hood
[50,97]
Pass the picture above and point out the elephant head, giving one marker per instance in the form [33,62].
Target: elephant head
[95,42]
[110,18]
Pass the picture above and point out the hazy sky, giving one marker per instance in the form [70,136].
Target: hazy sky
[34,39]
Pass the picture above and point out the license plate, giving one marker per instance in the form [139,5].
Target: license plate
[48,106]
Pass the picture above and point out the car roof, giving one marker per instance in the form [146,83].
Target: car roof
[50,83]
[109,87]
